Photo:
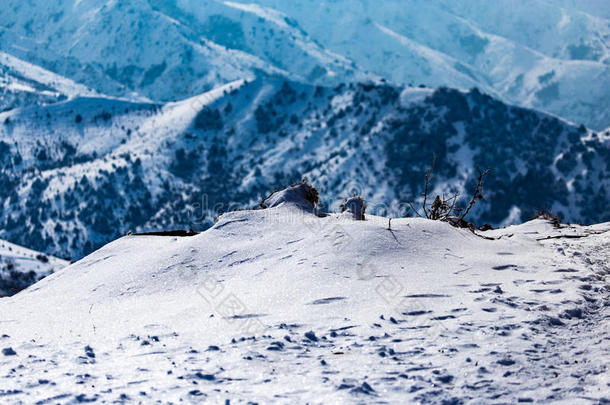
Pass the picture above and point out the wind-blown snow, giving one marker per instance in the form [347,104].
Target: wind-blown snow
[280,305]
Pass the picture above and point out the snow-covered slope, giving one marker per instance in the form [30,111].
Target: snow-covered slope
[552,56]
[91,169]
[21,267]
[539,54]
[166,50]
[280,305]
[22,84]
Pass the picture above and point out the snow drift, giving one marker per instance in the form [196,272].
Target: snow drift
[282,305]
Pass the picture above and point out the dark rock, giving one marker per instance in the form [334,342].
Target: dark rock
[311,336]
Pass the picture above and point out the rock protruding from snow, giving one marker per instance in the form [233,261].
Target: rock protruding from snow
[302,195]
[356,206]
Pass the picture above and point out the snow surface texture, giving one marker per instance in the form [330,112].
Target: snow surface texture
[280,305]
[21,267]
[91,169]
[549,55]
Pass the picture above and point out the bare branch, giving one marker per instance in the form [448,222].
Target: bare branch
[414,210]
[477,193]
[428,177]
[452,207]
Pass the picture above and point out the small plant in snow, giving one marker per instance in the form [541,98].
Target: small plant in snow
[302,194]
[356,206]
[547,215]
[444,208]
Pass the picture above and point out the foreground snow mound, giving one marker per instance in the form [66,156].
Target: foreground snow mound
[280,305]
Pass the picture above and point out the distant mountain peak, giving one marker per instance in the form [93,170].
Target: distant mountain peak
[550,56]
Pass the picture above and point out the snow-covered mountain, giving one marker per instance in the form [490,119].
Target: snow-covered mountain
[552,56]
[281,305]
[23,84]
[21,267]
[162,50]
[124,119]
[80,173]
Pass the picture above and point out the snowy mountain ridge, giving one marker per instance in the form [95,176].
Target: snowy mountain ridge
[179,165]
[22,83]
[551,56]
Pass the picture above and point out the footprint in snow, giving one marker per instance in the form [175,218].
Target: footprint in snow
[365,388]
[505,267]
[9,351]
[442,317]
[416,313]
[247,316]
[311,336]
[506,362]
[569,270]
[328,300]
